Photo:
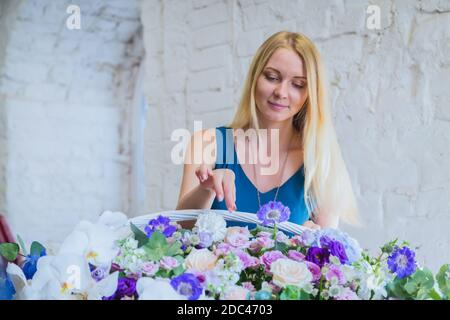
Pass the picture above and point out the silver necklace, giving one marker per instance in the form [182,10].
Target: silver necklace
[281,178]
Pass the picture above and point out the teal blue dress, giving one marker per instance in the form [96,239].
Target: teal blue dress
[290,193]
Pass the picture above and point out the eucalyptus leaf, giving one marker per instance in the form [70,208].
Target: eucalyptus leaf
[36,249]
[139,235]
[443,279]
[22,245]
[9,251]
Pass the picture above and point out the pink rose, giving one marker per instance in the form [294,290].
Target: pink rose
[335,272]
[150,268]
[168,263]
[295,255]
[269,257]
[247,260]
[223,249]
[314,269]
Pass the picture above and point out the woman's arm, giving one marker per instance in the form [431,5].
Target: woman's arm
[192,195]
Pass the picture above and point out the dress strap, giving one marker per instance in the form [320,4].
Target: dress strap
[225,155]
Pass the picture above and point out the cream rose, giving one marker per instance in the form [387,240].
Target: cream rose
[289,272]
[200,260]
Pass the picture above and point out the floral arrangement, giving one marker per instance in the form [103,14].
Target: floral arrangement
[114,259]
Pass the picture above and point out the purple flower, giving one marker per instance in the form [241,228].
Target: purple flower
[273,212]
[335,272]
[335,247]
[206,239]
[247,260]
[402,262]
[99,273]
[352,248]
[319,256]
[161,224]
[296,256]
[188,285]
[126,287]
[269,257]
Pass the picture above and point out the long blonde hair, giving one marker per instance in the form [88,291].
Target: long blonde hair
[327,183]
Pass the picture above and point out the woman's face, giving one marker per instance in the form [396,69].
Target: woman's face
[281,89]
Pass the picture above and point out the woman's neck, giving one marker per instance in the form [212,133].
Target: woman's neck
[284,140]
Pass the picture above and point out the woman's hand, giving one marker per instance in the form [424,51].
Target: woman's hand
[311,225]
[221,181]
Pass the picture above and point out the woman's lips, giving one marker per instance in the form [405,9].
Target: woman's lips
[277,106]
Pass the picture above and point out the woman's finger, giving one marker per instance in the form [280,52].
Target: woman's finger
[202,172]
[217,182]
[228,189]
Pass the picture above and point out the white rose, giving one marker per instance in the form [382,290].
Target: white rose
[212,223]
[289,272]
[200,260]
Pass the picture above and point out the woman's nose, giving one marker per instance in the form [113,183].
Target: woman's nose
[280,90]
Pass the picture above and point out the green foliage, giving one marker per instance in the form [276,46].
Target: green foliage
[139,235]
[157,247]
[9,251]
[36,248]
[443,280]
[294,293]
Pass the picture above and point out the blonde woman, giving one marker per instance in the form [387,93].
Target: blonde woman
[284,102]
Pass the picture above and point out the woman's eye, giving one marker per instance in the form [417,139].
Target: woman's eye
[271,78]
[299,85]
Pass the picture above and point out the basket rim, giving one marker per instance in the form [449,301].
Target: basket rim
[192,214]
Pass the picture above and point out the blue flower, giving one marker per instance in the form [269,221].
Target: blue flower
[7,290]
[188,285]
[30,266]
[161,224]
[273,212]
[402,262]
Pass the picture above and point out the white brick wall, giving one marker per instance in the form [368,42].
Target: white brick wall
[389,89]
[65,99]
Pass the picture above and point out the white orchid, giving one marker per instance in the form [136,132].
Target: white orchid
[62,277]
[156,289]
[97,242]
[25,290]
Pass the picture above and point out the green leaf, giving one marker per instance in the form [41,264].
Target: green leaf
[178,270]
[157,240]
[283,247]
[139,235]
[174,249]
[22,245]
[36,248]
[396,289]
[443,279]
[156,247]
[9,251]
[294,293]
